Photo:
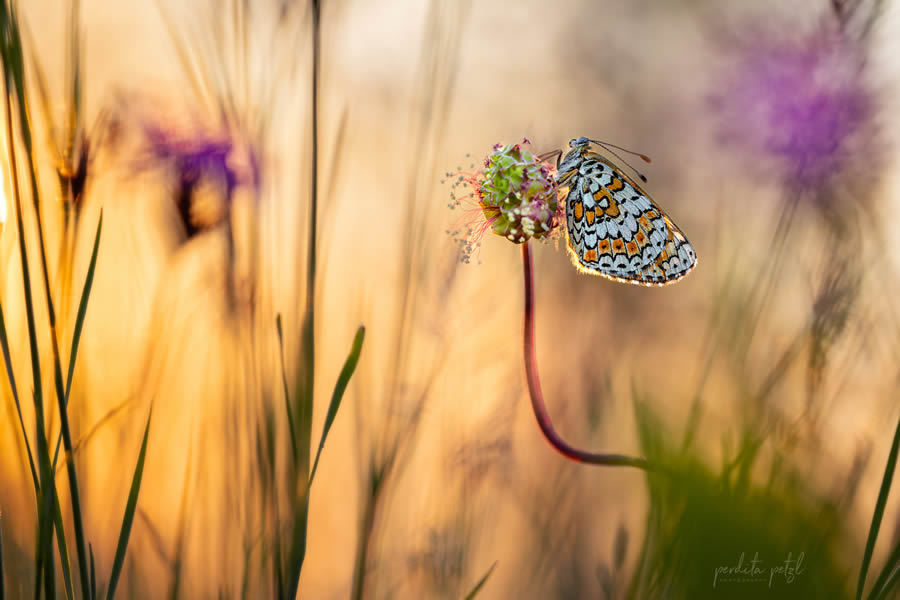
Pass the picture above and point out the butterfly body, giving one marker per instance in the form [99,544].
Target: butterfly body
[615,229]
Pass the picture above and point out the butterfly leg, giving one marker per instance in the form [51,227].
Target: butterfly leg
[546,155]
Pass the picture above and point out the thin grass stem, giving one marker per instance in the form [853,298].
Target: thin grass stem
[306,390]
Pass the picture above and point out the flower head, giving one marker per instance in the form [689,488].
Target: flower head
[192,157]
[515,195]
[78,176]
[800,100]
[202,164]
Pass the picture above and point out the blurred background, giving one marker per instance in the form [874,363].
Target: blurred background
[766,379]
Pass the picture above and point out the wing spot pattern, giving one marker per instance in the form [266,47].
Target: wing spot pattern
[615,230]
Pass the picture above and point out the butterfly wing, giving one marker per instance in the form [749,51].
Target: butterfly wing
[615,230]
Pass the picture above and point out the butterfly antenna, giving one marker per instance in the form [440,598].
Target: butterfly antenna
[609,148]
[607,145]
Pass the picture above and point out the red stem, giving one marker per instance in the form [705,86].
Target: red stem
[537,398]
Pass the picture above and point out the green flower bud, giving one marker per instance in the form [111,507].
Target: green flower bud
[517,194]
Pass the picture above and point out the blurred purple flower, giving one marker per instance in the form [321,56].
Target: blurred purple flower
[216,162]
[192,157]
[800,100]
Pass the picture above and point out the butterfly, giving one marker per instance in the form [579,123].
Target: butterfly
[615,229]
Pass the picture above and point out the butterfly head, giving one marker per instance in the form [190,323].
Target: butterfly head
[579,142]
[572,160]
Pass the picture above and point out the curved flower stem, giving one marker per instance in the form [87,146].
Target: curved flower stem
[537,398]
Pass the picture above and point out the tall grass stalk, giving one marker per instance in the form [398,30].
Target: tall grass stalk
[305,374]
[15,67]
[46,482]
[218,64]
[49,507]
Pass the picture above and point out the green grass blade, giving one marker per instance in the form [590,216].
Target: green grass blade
[879,511]
[45,546]
[10,47]
[339,388]
[14,66]
[43,550]
[79,325]
[305,390]
[890,584]
[61,545]
[50,575]
[82,306]
[481,582]
[128,519]
[891,569]
[4,344]
[287,397]
[9,69]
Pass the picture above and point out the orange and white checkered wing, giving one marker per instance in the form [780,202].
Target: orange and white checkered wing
[615,230]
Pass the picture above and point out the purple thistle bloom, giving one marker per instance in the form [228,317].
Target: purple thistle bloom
[192,157]
[198,158]
[799,100]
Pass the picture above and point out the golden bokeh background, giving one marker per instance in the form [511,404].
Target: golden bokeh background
[411,91]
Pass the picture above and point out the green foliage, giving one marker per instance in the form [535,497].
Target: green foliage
[705,528]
